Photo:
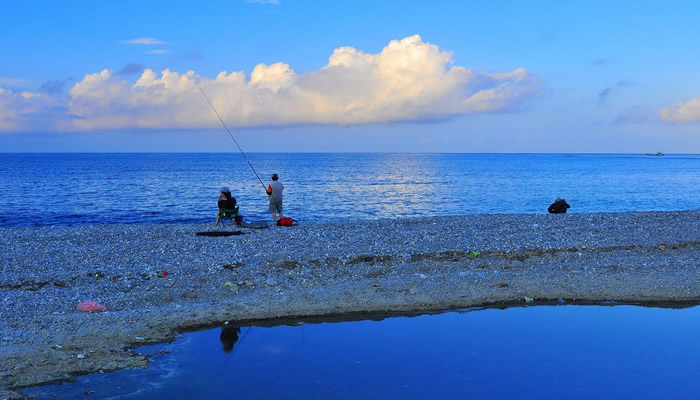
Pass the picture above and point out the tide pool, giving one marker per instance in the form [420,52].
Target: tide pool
[537,352]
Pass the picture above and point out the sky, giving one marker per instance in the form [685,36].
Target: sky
[350,76]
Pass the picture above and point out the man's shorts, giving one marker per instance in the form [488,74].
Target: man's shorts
[276,205]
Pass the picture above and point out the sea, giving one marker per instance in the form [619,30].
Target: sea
[153,188]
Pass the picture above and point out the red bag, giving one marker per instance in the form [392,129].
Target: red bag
[287,222]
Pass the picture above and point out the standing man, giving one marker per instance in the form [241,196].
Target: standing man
[274,190]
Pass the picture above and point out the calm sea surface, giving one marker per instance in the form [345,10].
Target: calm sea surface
[72,189]
[546,352]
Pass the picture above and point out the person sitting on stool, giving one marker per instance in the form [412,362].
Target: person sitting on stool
[225,202]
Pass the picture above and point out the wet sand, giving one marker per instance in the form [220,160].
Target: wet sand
[157,280]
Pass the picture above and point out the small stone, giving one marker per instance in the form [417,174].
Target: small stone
[271,281]
[81,356]
[139,338]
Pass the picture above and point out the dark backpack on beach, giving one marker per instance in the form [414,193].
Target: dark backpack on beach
[287,222]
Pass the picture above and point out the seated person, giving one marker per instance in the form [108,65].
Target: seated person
[225,202]
[558,207]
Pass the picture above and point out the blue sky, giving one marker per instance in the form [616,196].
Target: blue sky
[446,76]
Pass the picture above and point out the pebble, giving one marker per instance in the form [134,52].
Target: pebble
[314,258]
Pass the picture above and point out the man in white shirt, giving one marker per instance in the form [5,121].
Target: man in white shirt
[274,190]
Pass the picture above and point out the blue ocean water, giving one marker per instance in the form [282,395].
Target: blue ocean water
[544,352]
[84,188]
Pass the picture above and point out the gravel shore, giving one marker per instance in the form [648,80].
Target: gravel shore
[157,280]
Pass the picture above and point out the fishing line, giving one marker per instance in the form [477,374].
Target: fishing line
[234,139]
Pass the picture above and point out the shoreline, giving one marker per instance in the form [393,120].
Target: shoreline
[314,270]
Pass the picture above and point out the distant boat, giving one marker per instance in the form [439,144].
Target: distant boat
[655,154]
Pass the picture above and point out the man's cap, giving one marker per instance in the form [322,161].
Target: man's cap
[274,176]
[225,190]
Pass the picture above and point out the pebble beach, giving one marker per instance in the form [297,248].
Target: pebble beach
[157,280]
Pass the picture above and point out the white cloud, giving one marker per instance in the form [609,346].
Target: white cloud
[159,51]
[409,80]
[14,82]
[145,41]
[682,112]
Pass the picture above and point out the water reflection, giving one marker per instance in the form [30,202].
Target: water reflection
[565,351]
[229,337]
[154,188]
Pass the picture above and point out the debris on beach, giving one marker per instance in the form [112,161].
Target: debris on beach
[90,306]
[529,299]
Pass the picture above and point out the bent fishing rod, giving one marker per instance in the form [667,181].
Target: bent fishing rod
[234,139]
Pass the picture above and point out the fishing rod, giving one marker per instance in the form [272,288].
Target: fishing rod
[234,139]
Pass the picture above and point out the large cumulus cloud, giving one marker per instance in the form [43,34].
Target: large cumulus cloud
[409,80]
[682,112]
